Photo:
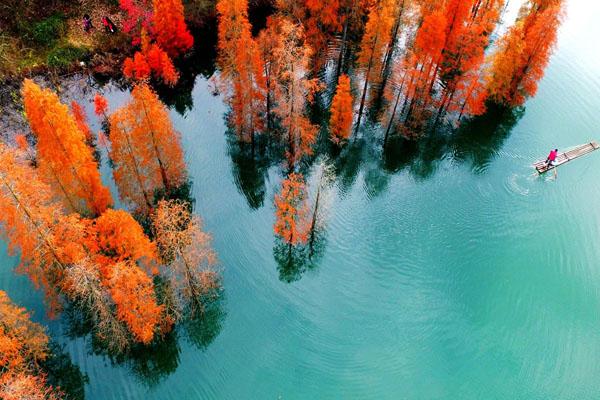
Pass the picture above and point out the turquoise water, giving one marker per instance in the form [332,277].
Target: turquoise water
[447,271]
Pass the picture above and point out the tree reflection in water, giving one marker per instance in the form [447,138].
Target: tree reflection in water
[476,142]
[150,364]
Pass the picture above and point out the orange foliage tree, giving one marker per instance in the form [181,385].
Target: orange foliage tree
[84,285]
[424,60]
[67,164]
[100,105]
[459,70]
[169,27]
[23,345]
[150,60]
[340,122]
[27,215]
[81,121]
[186,252]
[377,35]
[523,53]
[123,252]
[292,215]
[110,262]
[137,67]
[84,259]
[443,66]
[25,386]
[267,41]
[145,150]
[292,89]
[116,237]
[242,66]
[133,293]
[321,20]
[138,16]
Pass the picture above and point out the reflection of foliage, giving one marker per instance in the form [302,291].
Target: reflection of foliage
[200,62]
[203,330]
[317,242]
[376,180]
[64,374]
[348,162]
[477,141]
[153,362]
[294,257]
[249,170]
[292,261]
[480,138]
[250,165]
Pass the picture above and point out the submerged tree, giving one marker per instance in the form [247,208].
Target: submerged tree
[377,35]
[103,265]
[27,215]
[340,122]
[23,347]
[145,150]
[321,20]
[524,52]
[293,90]
[65,160]
[125,257]
[188,257]
[292,216]
[242,67]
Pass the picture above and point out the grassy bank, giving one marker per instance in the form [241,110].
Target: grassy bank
[50,37]
[47,35]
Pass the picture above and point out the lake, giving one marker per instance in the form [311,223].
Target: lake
[446,269]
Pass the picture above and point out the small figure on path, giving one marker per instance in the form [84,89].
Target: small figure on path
[87,23]
[109,26]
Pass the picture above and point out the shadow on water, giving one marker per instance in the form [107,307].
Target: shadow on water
[475,143]
[62,373]
[480,139]
[200,62]
[294,261]
[250,163]
[250,166]
[149,363]
[201,332]
[347,163]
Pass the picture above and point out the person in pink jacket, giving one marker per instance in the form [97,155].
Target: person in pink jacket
[551,157]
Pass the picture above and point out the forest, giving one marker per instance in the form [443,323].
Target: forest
[133,268]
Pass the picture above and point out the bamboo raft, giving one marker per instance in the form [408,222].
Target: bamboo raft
[563,158]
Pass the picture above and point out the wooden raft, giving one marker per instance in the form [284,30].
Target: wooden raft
[563,158]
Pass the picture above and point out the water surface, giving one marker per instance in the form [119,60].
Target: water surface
[447,270]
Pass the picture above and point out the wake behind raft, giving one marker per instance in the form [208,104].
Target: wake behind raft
[562,158]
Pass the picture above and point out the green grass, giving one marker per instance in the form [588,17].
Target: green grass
[48,31]
[64,55]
